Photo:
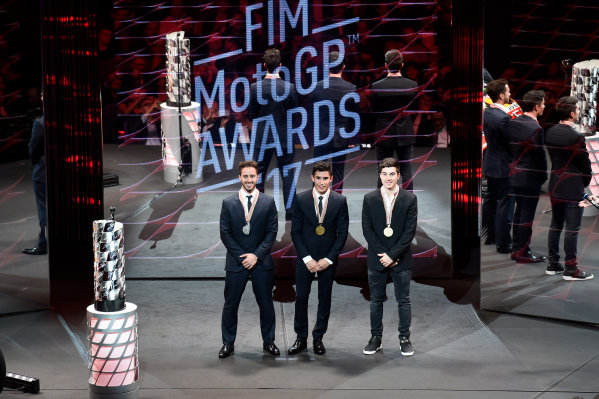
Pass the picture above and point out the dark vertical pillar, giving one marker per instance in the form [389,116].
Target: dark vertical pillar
[466,133]
[73,145]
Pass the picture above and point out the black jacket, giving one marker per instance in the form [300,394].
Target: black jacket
[389,98]
[403,222]
[497,156]
[528,168]
[570,164]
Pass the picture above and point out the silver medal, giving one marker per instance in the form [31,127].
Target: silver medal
[246,229]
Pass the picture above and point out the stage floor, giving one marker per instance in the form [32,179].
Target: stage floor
[175,269]
[459,352]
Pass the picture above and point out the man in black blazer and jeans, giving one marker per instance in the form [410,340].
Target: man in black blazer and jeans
[389,98]
[528,172]
[389,217]
[319,229]
[570,173]
[344,131]
[248,228]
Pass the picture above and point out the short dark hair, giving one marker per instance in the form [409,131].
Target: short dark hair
[272,59]
[393,60]
[322,166]
[495,88]
[565,106]
[334,56]
[532,98]
[248,164]
[389,163]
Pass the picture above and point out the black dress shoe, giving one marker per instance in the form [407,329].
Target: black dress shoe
[319,348]
[226,351]
[504,249]
[298,346]
[527,257]
[271,348]
[35,251]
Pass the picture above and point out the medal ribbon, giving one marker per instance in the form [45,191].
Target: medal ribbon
[248,213]
[324,207]
[389,211]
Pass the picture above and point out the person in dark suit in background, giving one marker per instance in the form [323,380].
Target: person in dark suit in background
[270,99]
[389,98]
[389,218]
[248,228]
[570,173]
[498,205]
[343,125]
[528,172]
[37,153]
[319,228]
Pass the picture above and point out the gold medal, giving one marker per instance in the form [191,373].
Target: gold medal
[388,232]
[320,229]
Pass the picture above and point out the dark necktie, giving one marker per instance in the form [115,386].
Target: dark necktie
[249,202]
[320,205]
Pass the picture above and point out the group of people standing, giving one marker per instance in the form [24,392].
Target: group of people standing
[319,216]
[515,166]
[319,229]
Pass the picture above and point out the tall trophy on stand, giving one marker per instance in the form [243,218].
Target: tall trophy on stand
[111,321]
[180,116]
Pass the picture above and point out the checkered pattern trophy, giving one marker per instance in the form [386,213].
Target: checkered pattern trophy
[111,322]
[585,82]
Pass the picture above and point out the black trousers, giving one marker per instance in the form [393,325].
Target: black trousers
[262,284]
[570,214]
[526,205]
[303,285]
[498,210]
[405,153]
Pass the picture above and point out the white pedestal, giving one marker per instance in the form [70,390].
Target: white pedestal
[114,368]
[171,142]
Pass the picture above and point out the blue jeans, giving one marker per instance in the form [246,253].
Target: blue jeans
[570,214]
[377,280]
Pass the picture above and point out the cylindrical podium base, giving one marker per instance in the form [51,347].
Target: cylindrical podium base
[171,147]
[114,368]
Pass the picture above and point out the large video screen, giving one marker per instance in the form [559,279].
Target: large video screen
[172,231]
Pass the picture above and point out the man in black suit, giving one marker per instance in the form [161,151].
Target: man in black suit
[570,173]
[248,228]
[389,217]
[345,129]
[528,172]
[388,99]
[37,153]
[270,99]
[498,205]
[318,229]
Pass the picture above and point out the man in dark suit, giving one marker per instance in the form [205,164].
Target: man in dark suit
[318,229]
[344,128]
[570,173]
[270,99]
[37,153]
[389,98]
[248,228]
[498,205]
[528,172]
[389,217]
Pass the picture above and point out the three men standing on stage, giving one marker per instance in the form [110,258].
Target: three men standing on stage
[389,217]
[319,228]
